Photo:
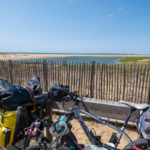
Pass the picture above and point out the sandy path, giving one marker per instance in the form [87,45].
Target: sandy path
[102,130]
[30,56]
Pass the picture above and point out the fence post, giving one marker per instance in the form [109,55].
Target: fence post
[49,103]
[92,80]
[10,70]
[124,81]
[149,94]
[45,74]
[49,106]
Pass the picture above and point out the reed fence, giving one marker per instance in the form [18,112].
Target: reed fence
[113,82]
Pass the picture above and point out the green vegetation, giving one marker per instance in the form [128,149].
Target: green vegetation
[139,60]
[3,53]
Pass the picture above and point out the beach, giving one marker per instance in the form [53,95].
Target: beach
[35,56]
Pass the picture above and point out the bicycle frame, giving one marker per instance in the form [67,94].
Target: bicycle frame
[75,112]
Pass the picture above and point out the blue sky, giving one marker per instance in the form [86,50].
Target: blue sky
[75,26]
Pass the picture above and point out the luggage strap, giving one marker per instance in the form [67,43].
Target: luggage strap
[32,97]
[2,116]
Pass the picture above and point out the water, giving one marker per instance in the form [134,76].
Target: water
[79,59]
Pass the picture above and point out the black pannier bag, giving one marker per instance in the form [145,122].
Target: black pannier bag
[35,85]
[12,96]
[19,107]
[40,98]
[57,92]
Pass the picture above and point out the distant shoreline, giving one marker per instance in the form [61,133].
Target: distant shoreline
[73,53]
[4,56]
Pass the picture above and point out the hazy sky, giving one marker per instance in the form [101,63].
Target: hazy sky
[75,26]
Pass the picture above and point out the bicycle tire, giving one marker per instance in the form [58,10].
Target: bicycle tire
[36,147]
[39,147]
[20,144]
[140,143]
[29,140]
[63,147]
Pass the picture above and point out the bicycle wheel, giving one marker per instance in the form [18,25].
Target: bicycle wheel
[36,147]
[40,147]
[30,141]
[22,144]
[140,143]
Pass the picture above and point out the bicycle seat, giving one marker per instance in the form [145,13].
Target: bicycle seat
[134,105]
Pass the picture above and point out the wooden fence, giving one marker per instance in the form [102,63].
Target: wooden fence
[100,81]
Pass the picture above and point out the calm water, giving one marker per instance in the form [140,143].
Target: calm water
[79,59]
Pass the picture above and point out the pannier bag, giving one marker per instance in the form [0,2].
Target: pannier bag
[57,92]
[12,96]
[11,123]
[143,124]
[35,85]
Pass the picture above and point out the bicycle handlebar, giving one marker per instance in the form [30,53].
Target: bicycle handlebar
[73,96]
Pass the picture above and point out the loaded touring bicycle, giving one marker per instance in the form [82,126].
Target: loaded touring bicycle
[65,139]
[20,106]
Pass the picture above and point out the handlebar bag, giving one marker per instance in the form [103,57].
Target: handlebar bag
[57,92]
[11,123]
[144,124]
[12,96]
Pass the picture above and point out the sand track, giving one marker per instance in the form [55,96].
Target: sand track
[31,56]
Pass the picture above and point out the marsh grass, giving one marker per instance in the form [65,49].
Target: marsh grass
[136,60]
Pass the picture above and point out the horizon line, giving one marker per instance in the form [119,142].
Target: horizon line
[72,53]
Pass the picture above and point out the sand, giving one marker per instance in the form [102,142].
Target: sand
[32,56]
[102,130]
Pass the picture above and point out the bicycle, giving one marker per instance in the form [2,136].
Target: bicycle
[35,123]
[65,139]
[143,142]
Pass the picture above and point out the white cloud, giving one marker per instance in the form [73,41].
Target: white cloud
[111,15]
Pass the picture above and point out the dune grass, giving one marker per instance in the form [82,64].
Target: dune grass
[140,60]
